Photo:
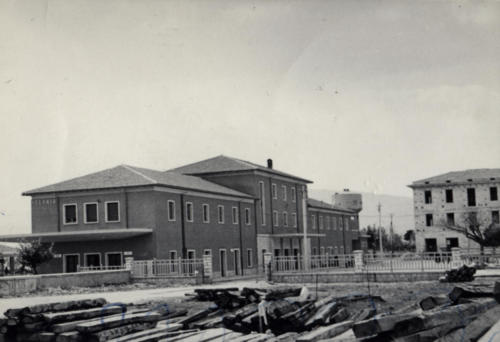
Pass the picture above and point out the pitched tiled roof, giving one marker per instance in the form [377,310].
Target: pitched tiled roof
[314,203]
[476,175]
[127,176]
[228,164]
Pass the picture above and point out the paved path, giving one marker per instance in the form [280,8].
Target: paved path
[130,296]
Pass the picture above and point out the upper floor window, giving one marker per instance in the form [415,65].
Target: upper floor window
[450,219]
[346,224]
[171,210]
[285,219]
[449,195]
[113,211]
[70,214]
[284,192]
[320,218]
[189,212]
[313,219]
[493,193]
[327,222]
[262,204]
[294,219]
[220,213]
[206,213]
[91,215]
[428,220]
[235,215]
[428,197]
[294,194]
[274,190]
[247,216]
[275,218]
[341,223]
[471,197]
[334,221]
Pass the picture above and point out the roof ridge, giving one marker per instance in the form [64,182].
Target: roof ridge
[131,168]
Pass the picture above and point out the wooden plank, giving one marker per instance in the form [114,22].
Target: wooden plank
[328,331]
[116,321]
[57,306]
[493,334]
[347,336]
[378,324]
[47,336]
[227,337]
[431,302]
[150,335]
[108,334]
[76,315]
[322,316]
[69,336]
[206,335]
[470,291]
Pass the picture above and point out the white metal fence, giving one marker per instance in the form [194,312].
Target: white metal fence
[100,268]
[407,262]
[157,268]
[324,262]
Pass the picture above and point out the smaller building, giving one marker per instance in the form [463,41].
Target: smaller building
[447,199]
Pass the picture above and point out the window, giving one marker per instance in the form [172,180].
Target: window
[274,191]
[314,251]
[189,212]
[235,215]
[206,213]
[114,259]
[294,195]
[285,219]
[450,219]
[494,193]
[247,216]
[346,224]
[294,219]
[320,218]
[449,195]
[90,211]
[275,218]
[495,218]
[173,255]
[428,196]
[428,220]
[313,220]
[322,250]
[327,222]
[471,197]
[70,214]
[334,221]
[284,192]
[207,252]
[249,258]
[92,259]
[341,223]
[330,250]
[262,204]
[220,213]
[112,212]
[171,210]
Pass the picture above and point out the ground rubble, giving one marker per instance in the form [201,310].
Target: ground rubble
[277,314]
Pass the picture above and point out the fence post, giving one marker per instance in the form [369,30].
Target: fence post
[456,257]
[179,267]
[150,268]
[422,256]
[207,267]
[358,261]
[392,270]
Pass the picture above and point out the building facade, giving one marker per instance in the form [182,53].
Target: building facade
[230,209]
[449,200]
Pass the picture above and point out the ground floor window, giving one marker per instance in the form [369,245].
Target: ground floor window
[249,258]
[114,259]
[93,259]
[71,263]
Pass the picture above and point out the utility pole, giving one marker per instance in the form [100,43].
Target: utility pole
[379,207]
[392,241]
[305,250]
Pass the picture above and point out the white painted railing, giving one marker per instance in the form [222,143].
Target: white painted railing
[317,263]
[100,268]
[158,268]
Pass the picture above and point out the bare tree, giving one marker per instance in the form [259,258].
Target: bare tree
[478,229]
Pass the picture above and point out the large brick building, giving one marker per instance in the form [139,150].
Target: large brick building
[231,209]
[448,199]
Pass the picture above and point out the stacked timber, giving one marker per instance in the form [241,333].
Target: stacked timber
[464,273]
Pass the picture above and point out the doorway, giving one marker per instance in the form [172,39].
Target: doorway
[430,245]
[222,262]
[237,259]
[451,243]
[71,262]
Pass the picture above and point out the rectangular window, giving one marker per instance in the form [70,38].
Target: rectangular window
[262,204]
[294,219]
[327,222]
[471,197]
[114,259]
[320,218]
[450,219]
[91,215]
[247,216]
[275,218]
[322,250]
[235,215]
[346,224]
[207,252]
[428,220]
[284,192]
[294,195]
[330,250]
[113,211]
[341,223]
[334,221]
[274,190]
[249,258]
[428,196]
[449,195]
[70,214]
[173,255]
[314,251]
[171,210]
[495,217]
[285,219]
[494,193]
[189,212]
[220,213]
[206,213]
[313,220]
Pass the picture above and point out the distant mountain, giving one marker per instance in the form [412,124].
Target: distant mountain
[401,207]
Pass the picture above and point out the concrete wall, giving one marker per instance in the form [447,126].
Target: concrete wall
[17,285]
[302,278]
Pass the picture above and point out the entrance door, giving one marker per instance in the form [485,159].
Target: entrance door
[223,262]
[191,257]
[114,259]
[451,243]
[71,262]
[93,260]
[430,245]
[236,256]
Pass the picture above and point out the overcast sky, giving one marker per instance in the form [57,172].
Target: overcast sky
[369,95]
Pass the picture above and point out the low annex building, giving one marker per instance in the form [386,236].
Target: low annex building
[447,199]
[228,208]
